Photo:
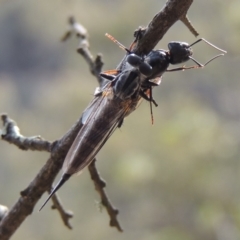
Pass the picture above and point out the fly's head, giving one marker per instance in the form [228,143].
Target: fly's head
[179,52]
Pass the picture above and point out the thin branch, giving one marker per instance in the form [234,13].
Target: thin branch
[83,48]
[11,133]
[74,28]
[99,186]
[189,25]
[65,215]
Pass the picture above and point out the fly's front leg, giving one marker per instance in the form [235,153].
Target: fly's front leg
[148,98]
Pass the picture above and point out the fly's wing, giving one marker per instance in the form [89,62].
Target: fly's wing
[100,120]
[96,102]
[89,111]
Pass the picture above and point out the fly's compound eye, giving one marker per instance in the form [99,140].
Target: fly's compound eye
[138,62]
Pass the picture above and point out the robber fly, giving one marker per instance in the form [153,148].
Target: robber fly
[121,94]
[111,104]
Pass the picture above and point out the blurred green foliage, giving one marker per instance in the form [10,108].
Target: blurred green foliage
[175,180]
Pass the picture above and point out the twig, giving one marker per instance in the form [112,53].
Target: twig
[99,186]
[188,24]
[65,215]
[83,48]
[11,134]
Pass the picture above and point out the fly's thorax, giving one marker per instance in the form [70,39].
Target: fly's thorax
[128,66]
[139,63]
[159,61]
[126,84]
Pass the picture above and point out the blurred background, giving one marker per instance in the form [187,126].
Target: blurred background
[177,179]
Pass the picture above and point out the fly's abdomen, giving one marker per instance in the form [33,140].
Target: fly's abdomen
[92,136]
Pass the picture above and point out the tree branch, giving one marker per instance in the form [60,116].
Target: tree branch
[160,24]
[172,11]
[65,215]
[11,134]
[83,48]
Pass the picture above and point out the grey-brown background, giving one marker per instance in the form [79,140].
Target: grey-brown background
[177,179]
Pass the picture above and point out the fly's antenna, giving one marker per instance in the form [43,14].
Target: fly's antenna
[210,44]
[118,43]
